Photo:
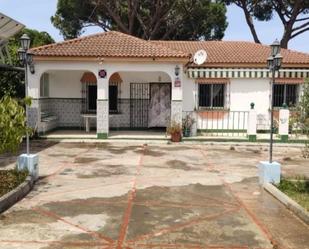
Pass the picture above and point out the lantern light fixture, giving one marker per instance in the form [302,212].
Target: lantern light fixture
[177,70]
[25,42]
[275,48]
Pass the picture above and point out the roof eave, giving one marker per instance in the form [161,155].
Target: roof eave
[110,59]
[247,65]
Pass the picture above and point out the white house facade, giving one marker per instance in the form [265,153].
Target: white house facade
[116,81]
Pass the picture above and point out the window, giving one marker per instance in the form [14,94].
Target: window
[285,93]
[113,98]
[44,85]
[92,98]
[211,95]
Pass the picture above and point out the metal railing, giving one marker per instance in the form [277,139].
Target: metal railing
[220,122]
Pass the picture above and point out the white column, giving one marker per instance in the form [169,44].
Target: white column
[284,115]
[102,108]
[252,122]
[176,103]
[34,114]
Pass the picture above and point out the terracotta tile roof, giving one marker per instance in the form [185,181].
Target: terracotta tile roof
[234,52]
[108,44]
[220,53]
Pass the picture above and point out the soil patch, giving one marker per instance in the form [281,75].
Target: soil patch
[10,179]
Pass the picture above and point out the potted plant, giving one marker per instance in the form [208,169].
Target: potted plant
[187,124]
[175,130]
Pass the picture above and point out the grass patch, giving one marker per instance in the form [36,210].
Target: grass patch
[297,189]
[10,179]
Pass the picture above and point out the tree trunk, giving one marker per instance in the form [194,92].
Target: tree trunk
[253,31]
[284,41]
[249,21]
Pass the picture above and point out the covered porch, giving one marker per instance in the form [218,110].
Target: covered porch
[133,100]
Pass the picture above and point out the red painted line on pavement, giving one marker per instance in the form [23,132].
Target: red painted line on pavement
[183,225]
[253,217]
[188,246]
[89,187]
[220,202]
[170,245]
[55,216]
[67,243]
[56,172]
[128,211]
[66,164]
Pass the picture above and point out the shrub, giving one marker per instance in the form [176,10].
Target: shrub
[12,123]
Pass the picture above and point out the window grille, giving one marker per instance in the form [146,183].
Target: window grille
[89,98]
[285,93]
[114,97]
[211,95]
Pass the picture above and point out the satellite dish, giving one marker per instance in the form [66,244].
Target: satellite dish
[200,57]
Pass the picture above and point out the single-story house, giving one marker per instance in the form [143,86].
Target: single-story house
[118,81]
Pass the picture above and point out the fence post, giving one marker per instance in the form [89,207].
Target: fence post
[284,115]
[252,121]
[194,126]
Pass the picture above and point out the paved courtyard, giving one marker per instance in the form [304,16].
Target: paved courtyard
[133,195]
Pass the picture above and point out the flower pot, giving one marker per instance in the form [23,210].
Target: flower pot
[176,137]
[187,132]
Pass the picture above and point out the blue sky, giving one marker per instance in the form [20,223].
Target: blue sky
[35,14]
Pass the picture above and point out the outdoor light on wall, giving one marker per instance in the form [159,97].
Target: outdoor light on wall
[177,70]
[274,63]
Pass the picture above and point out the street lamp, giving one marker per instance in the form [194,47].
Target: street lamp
[26,59]
[274,63]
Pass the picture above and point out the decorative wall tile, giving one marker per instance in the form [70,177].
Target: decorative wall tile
[68,111]
[102,116]
[121,119]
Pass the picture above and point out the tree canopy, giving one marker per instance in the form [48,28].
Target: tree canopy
[12,82]
[148,19]
[293,14]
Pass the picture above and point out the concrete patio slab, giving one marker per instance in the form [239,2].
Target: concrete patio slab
[129,195]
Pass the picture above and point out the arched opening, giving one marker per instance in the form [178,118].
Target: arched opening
[89,93]
[143,100]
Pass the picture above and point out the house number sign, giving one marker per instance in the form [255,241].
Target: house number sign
[102,73]
[177,82]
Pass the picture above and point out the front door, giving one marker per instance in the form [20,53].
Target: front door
[160,105]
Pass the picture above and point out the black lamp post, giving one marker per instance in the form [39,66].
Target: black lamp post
[26,59]
[274,63]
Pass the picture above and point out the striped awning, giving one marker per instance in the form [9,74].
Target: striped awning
[212,80]
[197,73]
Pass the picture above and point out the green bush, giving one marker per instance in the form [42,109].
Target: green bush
[12,123]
